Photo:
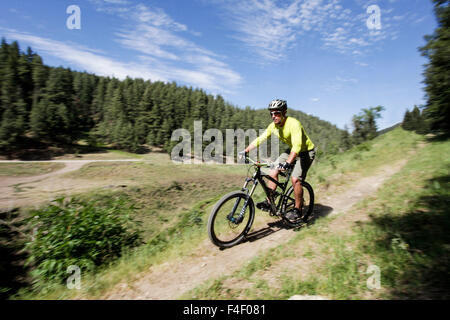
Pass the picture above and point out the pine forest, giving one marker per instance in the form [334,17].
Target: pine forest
[43,106]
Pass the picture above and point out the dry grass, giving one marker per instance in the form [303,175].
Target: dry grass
[28,169]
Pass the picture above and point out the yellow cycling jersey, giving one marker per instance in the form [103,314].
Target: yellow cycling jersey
[292,133]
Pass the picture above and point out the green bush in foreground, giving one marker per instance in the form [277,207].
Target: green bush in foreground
[80,233]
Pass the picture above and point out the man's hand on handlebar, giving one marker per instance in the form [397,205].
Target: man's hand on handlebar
[285,166]
[242,154]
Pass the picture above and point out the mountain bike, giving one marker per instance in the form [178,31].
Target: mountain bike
[232,216]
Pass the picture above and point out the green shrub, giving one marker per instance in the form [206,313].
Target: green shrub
[81,233]
[362,147]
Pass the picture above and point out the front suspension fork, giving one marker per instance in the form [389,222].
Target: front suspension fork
[240,217]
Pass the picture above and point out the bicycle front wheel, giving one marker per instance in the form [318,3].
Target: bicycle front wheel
[231,219]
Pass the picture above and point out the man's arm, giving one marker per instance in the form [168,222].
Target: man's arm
[296,140]
[292,157]
[249,148]
[255,143]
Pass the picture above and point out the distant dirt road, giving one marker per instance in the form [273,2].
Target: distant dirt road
[8,195]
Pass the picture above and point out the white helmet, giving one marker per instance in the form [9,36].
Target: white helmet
[278,104]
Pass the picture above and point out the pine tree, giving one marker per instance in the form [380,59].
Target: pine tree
[407,122]
[24,72]
[358,135]
[98,101]
[155,119]
[4,53]
[437,71]
[370,116]
[346,139]
[39,77]
[422,125]
[83,88]
[364,124]
[53,117]
[13,123]
[416,117]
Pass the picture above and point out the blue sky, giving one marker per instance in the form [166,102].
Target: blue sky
[322,56]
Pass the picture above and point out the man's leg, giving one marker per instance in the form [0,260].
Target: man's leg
[274,172]
[299,174]
[265,205]
[298,192]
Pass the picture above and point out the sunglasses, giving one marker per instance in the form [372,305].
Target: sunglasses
[275,113]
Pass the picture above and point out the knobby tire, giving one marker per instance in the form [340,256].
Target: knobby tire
[223,232]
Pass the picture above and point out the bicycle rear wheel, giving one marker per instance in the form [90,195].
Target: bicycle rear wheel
[289,204]
[226,226]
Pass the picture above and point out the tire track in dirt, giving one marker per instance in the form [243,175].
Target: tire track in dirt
[171,279]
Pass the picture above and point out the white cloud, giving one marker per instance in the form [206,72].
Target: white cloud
[123,2]
[163,50]
[84,58]
[362,64]
[161,39]
[156,17]
[270,28]
[213,76]
[149,40]
[351,80]
[338,83]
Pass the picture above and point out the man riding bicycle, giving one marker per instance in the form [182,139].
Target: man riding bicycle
[290,131]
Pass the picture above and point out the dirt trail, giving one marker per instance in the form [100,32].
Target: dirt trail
[9,198]
[171,280]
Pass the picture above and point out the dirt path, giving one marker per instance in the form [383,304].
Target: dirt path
[171,280]
[9,197]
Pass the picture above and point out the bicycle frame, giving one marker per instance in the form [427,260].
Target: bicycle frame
[258,178]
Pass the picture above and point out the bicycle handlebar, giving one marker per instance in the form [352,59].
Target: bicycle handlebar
[260,164]
[257,163]
[254,162]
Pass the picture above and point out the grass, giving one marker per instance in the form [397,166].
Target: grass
[408,231]
[173,212]
[28,169]
[405,235]
[363,159]
[102,154]
[178,240]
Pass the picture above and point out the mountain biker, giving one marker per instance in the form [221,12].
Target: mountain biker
[290,131]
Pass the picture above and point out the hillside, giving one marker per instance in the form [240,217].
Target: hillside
[47,110]
[370,214]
